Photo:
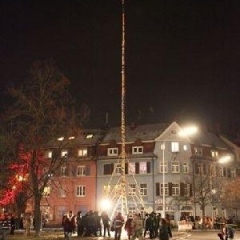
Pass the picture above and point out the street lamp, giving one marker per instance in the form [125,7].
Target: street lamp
[183,132]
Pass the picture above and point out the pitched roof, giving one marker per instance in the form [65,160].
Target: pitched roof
[147,132]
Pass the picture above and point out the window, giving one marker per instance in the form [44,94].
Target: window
[80,191]
[81,170]
[198,151]
[137,150]
[142,167]
[214,154]
[63,171]
[175,189]
[165,188]
[143,189]
[62,192]
[185,148]
[175,146]
[233,173]
[175,167]
[112,152]
[163,166]
[185,167]
[46,192]
[118,168]
[64,153]
[132,189]
[186,189]
[132,168]
[83,152]
[49,154]
[108,169]
[89,135]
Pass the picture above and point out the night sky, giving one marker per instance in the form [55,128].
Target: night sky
[182,57]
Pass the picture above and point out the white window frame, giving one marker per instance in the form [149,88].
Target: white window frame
[166,189]
[175,166]
[112,152]
[81,170]
[187,189]
[165,167]
[143,189]
[175,147]
[46,191]
[132,189]
[82,152]
[175,189]
[117,168]
[80,191]
[137,150]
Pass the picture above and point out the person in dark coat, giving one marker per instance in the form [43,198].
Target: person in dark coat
[106,224]
[165,230]
[69,225]
[128,227]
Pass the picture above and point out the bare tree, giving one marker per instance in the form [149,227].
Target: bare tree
[41,111]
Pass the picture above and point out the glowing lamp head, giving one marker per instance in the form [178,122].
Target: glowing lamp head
[106,204]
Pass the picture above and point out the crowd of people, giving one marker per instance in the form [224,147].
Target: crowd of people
[136,225]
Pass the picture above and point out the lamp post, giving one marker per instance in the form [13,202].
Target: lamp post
[183,132]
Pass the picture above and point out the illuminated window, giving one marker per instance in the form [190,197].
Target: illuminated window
[142,167]
[89,135]
[132,168]
[185,167]
[185,148]
[175,189]
[175,146]
[46,192]
[64,153]
[175,167]
[233,173]
[80,191]
[49,154]
[82,152]
[143,189]
[137,150]
[112,152]
[214,154]
[81,170]
[198,151]
[132,189]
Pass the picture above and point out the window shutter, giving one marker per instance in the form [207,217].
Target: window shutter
[170,188]
[126,168]
[157,189]
[182,185]
[148,167]
[137,168]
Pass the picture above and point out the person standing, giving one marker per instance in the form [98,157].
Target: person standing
[106,224]
[165,231]
[118,223]
[137,224]
[128,227]
[68,223]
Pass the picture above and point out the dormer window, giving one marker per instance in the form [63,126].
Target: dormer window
[214,154]
[49,154]
[64,153]
[112,152]
[198,151]
[83,152]
[137,150]
[89,135]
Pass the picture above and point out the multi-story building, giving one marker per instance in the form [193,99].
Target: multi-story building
[162,171]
